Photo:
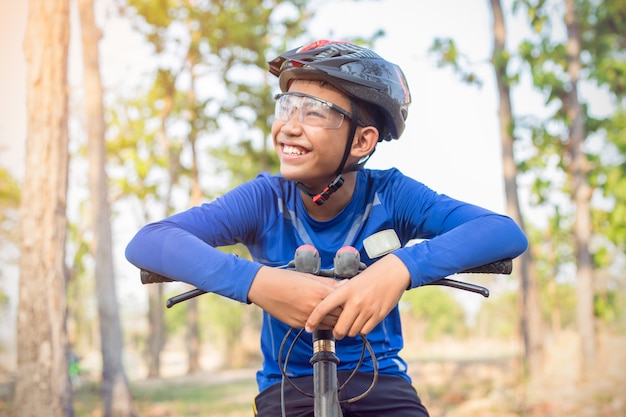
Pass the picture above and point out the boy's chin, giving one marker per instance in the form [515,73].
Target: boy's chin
[297,177]
[287,174]
[292,175]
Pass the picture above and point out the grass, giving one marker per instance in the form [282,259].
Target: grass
[164,398]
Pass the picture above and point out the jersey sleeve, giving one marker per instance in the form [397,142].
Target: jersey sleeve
[454,235]
[184,246]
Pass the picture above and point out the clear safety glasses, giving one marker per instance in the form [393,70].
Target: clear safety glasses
[312,111]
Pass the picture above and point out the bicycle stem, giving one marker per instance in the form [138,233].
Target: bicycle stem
[324,361]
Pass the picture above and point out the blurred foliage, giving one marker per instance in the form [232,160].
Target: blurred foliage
[9,207]
[546,159]
[207,110]
[441,314]
[498,316]
[602,26]
[447,55]
[603,34]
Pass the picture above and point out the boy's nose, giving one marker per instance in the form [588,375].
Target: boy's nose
[295,120]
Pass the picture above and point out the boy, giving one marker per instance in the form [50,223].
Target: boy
[338,101]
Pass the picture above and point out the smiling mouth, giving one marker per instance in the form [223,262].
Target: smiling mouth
[294,150]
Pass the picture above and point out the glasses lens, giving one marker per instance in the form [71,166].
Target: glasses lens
[311,111]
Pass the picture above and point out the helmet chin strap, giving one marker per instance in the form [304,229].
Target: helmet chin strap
[321,197]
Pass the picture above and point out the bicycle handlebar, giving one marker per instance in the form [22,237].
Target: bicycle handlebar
[504,266]
[148,277]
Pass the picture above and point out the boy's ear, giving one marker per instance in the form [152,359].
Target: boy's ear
[365,140]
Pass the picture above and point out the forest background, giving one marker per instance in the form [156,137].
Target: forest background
[186,104]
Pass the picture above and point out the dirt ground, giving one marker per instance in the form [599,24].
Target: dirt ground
[493,387]
[562,389]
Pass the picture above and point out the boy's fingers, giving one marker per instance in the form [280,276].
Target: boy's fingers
[330,320]
[314,320]
[348,326]
[323,309]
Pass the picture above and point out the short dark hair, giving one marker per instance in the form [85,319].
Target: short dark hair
[370,115]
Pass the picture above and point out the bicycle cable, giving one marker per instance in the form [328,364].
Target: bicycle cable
[285,377]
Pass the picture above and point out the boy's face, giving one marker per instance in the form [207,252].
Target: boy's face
[310,154]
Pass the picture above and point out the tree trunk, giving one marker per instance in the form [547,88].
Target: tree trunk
[578,171]
[156,335]
[42,387]
[194,346]
[116,394]
[193,338]
[531,327]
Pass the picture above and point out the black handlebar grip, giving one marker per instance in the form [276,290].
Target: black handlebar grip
[504,266]
[148,277]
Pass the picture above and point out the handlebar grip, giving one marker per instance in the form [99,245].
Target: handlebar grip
[148,277]
[503,266]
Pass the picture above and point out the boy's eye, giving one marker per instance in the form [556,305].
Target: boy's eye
[315,110]
[311,110]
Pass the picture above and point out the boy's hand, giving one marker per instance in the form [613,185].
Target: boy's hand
[291,296]
[364,301]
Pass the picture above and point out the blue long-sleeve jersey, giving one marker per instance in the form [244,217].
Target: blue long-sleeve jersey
[268,216]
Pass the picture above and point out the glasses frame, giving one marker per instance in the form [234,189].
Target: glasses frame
[344,113]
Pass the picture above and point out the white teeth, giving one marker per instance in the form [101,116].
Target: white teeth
[292,150]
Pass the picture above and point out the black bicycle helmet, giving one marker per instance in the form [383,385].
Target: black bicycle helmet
[357,71]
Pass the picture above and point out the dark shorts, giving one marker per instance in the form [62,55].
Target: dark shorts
[391,397]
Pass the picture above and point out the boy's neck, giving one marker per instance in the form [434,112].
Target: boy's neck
[335,203]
